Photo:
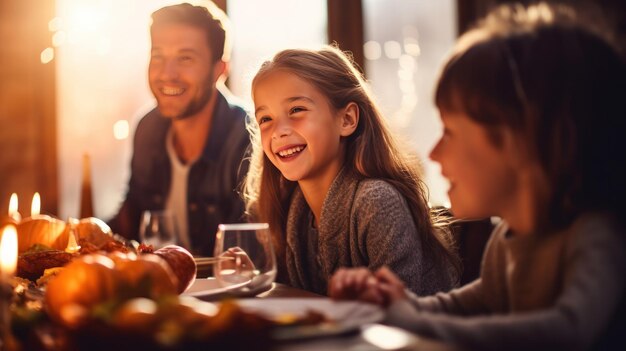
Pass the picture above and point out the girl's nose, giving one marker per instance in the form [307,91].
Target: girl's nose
[283,129]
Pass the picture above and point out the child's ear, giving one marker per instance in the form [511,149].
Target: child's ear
[516,150]
[349,118]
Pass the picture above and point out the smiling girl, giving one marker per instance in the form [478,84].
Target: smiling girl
[532,107]
[331,182]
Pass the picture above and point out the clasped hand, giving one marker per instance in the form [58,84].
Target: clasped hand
[382,287]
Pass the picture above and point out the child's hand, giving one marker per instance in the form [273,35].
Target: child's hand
[389,285]
[355,284]
[239,262]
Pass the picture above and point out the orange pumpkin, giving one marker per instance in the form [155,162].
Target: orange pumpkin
[84,283]
[146,276]
[42,229]
[93,279]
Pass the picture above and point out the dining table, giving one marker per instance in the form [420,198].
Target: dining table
[358,326]
[374,336]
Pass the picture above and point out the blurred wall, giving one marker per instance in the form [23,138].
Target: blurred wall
[101,59]
[28,158]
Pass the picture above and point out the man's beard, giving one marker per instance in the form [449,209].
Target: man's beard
[196,105]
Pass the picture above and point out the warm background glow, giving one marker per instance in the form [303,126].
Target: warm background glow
[264,27]
[121,129]
[101,59]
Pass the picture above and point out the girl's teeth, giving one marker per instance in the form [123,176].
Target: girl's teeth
[290,151]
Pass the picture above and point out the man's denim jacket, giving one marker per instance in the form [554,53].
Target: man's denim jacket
[214,181]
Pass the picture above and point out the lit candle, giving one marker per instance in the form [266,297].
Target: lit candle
[72,245]
[35,206]
[14,214]
[8,265]
[8,252]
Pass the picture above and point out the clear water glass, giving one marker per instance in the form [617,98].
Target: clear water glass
[245,256]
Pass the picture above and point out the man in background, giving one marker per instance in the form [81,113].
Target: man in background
[188,152]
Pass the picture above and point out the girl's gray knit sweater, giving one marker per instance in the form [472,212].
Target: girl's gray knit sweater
[364,223]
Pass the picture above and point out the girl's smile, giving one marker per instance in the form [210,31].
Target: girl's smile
[289,152]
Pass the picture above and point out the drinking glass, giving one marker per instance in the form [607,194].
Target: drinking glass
[245,256]
[158,228]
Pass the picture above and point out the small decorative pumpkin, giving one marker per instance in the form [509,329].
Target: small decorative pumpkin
[84,283]
[44,230]
[146,276]
[93,230]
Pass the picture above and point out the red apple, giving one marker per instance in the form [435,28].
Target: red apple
[182,264]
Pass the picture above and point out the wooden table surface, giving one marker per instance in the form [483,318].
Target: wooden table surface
[282,290]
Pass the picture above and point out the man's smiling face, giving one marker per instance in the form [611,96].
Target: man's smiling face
[181,70]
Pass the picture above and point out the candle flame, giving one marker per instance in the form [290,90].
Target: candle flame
[72,245]
[13,204]
[35,207]
[8,250]
[14,214]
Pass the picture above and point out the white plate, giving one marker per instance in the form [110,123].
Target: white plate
[210,289]
[344,316]
[205,287]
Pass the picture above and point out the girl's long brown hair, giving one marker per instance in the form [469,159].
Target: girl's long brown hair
[371,151]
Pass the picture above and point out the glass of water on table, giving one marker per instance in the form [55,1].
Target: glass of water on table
[245,256]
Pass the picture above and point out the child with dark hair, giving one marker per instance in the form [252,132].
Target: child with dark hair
[532,103]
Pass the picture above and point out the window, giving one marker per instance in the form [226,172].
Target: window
[262,28]
[406,42]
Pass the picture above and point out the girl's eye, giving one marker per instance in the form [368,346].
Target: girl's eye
[264,119]
[296,109]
